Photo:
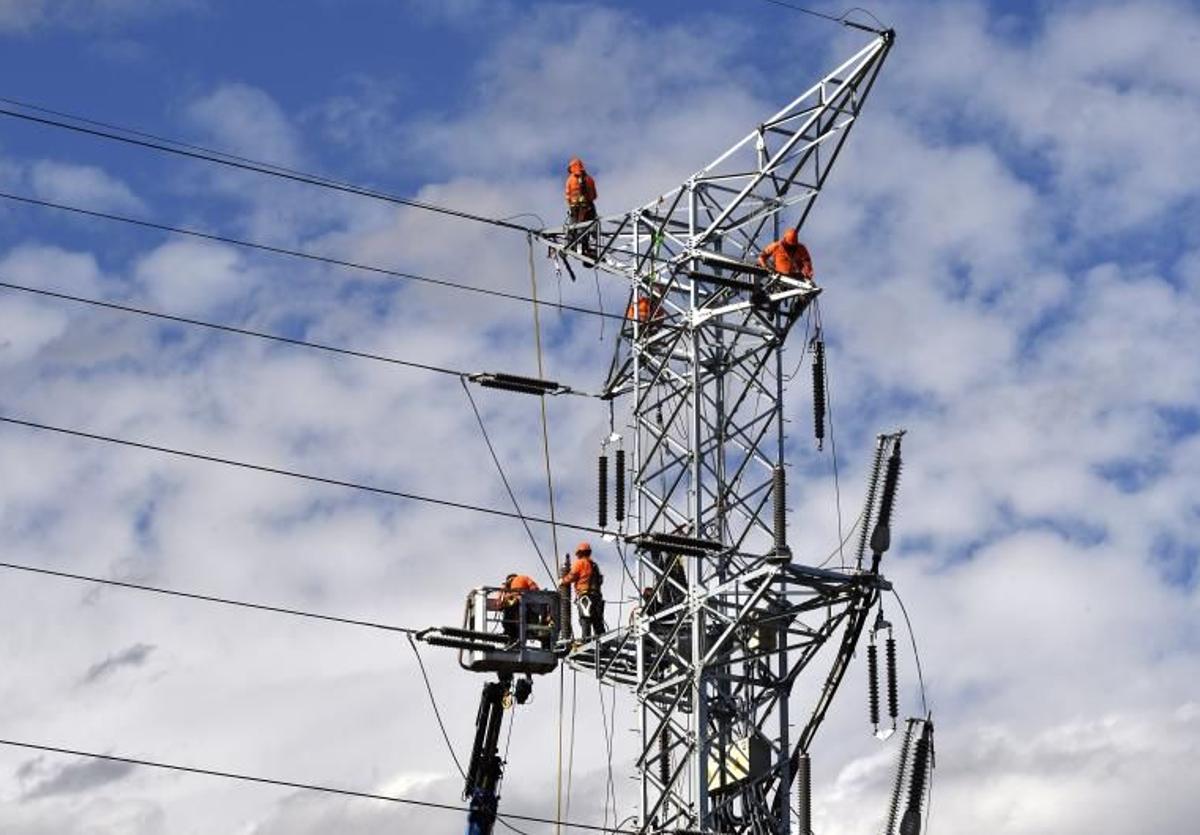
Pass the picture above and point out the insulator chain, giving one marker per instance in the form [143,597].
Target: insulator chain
[602,491]
[881,537]
[620,485]
[892,683]
[873,683]
[910,824]
[869,504]
[817,346]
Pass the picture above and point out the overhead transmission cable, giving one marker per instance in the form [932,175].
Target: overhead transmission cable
[436,712]
[140,139]
[206,598]
[199,323]
[407,631]
[229,462]
[296,253]
[842,18]
[291,784]
[916,654]
[507,486]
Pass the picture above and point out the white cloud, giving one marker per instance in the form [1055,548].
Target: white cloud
[246,120]
[191,276]
[81,185]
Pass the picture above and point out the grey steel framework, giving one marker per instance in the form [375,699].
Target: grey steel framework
[732,622]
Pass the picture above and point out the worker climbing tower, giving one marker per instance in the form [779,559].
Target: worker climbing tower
[730,617]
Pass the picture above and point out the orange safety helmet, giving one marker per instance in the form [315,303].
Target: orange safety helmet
[584,548]
[575,166]
[790,237]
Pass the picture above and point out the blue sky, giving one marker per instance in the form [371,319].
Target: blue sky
[1012,272]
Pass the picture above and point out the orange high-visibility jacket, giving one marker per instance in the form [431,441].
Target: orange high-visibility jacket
[581,575]
[520,583]
[580,188]
[787,260]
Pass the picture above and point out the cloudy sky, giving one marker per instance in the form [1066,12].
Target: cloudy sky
[1011,259]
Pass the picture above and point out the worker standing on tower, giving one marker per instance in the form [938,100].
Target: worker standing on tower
[586,577]
[787,256]
[580,192]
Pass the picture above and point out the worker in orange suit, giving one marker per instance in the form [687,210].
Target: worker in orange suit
[585,576]
[514,586]
[787,256]
[641,311]
[580,192]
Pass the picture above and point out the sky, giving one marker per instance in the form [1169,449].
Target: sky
[1011,263]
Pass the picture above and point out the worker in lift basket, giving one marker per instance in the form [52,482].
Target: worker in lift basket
[514,586]
[586,577]
[787,256]
[580,192]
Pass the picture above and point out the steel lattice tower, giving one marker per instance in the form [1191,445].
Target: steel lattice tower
[732,622]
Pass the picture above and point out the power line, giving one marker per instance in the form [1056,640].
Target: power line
[181,149]
[184,320]
[842,18]
[290,784]
[912,636]
[383,491]
[287,340]
[295,253]
[433,703]
[224,601]
[507,486]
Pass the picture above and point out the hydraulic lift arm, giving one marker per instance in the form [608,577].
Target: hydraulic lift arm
[487,766]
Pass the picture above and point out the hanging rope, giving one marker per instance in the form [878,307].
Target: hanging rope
[537,339]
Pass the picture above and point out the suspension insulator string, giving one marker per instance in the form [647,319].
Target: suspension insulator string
[910,824]
[881,537]
[864,534]
[779,494]
[602,491]
[804,798]
[893,690]
[620,485]
[818,381]
[873,682]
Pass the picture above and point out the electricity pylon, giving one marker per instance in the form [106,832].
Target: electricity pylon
[730,621]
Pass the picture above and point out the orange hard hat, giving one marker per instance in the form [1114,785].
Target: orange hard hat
[583,548]
[790,237]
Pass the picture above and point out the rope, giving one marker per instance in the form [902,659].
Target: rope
[296,253]
[608,728]
[837,486]
[229,462]
[290,784]
[537,336]
[571,747]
